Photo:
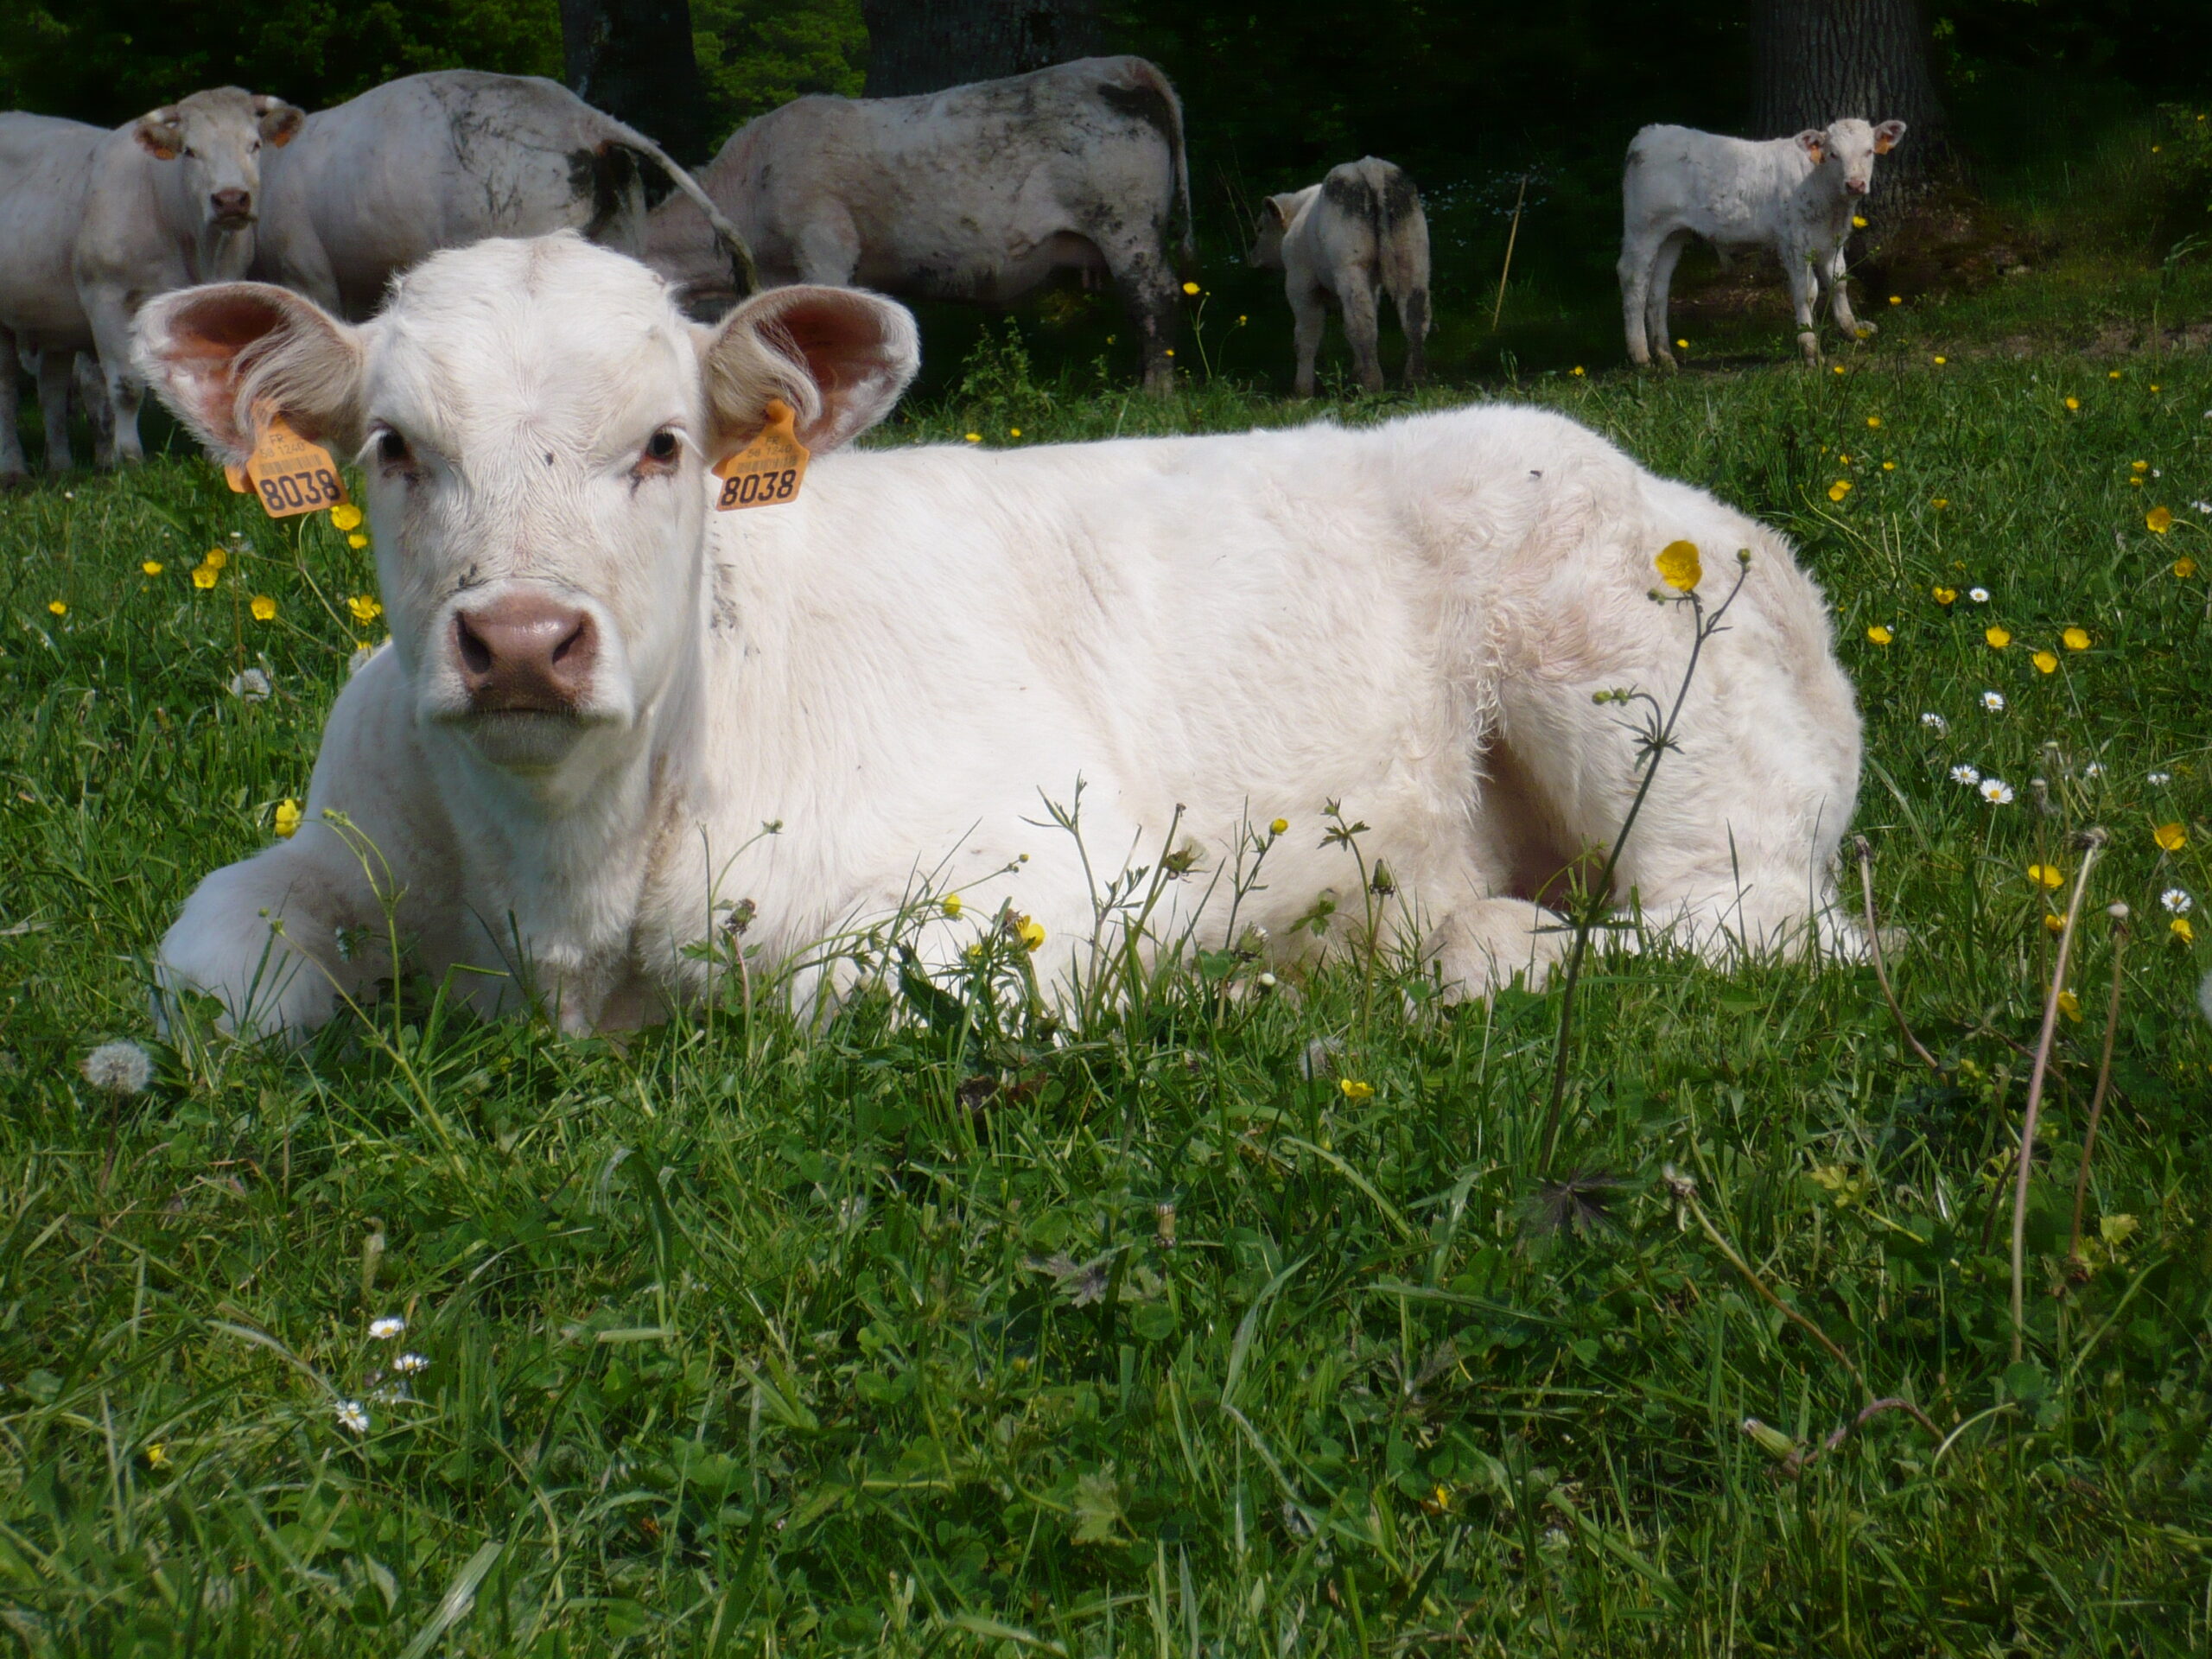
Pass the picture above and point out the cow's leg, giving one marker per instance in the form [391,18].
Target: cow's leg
[1634,272]
[1839,297]
[828,248]
[14,472]
[92,396]
[1309,315]
[54,373]
[1413,320]
[1152,296]
[1363,330]
[1804,276]
[1662,282]
[110,312]
[264,937]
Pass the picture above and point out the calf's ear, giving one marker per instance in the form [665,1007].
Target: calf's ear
[227,357]
[160,133]
[838,356]
[1813,143]
[1887,136]
[279,123]
[1278,213]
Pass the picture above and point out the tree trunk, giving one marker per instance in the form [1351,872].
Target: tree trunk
[634,60]
[925,46]
[1815,62]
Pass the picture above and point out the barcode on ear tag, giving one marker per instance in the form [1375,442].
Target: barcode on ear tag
[768,471]
[288,475]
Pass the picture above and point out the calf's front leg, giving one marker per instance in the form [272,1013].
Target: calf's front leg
[1840,298]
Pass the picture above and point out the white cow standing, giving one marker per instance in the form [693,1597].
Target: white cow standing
[44,165]
[1358,234]
[979,193]
[381,182]
[599,690]
[1795,196]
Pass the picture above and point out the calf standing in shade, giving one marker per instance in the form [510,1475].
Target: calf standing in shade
[1359,233]
[1794,195]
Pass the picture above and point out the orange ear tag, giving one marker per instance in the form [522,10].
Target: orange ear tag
[288,475]
[767,472]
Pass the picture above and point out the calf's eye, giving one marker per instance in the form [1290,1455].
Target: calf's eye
[662,446]
[392,450]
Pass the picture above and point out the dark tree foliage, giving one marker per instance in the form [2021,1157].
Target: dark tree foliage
[925,46]
[635,59]
[755,55]
[1815,62]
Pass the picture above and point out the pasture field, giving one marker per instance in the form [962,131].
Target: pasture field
[1234,1324]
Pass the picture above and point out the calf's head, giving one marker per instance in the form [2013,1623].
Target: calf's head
[536,421]
[1849,147]
[216,136]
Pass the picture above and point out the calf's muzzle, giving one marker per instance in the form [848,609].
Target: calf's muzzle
[526,653]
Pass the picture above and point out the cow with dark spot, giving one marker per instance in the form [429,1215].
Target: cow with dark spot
[979,193]
[1344,242]
[377,184]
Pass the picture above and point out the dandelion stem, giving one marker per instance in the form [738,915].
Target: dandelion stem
[2092,842]
[2119,913]
[1874,951]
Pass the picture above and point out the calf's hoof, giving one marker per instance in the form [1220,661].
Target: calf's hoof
[1809,343]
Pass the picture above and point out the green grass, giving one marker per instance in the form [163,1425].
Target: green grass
[745,1340]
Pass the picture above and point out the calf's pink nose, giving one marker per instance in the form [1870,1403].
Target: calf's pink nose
[1856,187]
[528,653]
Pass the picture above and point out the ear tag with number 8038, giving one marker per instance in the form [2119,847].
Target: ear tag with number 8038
[767,472]
[288,474]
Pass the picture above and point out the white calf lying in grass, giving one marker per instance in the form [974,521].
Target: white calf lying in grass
[599,688]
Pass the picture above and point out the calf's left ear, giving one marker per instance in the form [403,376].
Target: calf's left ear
[1887,136]
[838,356]
[279,123]
[227,357]
[1813,143]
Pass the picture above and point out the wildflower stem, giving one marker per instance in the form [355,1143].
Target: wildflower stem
[1511,237]
[2092,842]
[1590,903]
[1866,852]
[2104,1080]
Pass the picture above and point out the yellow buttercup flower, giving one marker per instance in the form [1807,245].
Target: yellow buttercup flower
[950,905]
[1189,287]
[1879,635]
[2159,520]
[1897,299]
[1576,371]
[1941,361]
[152,567]
[1873,420]
[2049,875]
[1857,223]
[1016,432]
[157,1456]
[1678,566]
[1279,827]
[357,540]
[2069,1005]
[264,608]
[345,516]
[1889,466]
[2046,661]
[2182,930]
[364,608]
[2072,402]
[203,576]
[1838,490]
[1681,345]
[216,558]
[57,607]
[287,818]
[975,437]
[1944,595]
[2114,375]
[2171,836]
[1031,933]
[2184,566]
[2053,924]
[1353,1089]
[1839,368]
[1940,503]
[2138,466]
[1998,638]
[2075,638]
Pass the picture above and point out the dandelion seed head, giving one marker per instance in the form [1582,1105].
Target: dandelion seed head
[251,686]
[119,1068]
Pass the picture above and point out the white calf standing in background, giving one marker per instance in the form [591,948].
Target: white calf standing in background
[1794,195]
[1357,233]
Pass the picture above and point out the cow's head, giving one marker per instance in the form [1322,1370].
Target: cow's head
[1276,213]
[1850,147]
[216,136]
[535,420]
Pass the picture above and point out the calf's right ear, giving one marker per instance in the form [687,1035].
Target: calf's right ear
[1814,143]
[839,356]
[228,357]
[160,133]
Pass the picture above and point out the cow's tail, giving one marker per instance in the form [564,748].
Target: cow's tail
[742,272]
[1166,115]
[1400,229]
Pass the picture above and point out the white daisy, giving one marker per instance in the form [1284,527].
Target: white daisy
[2095,769]
[1935,723]
[2159,779]
[1979,595]
[409,1363]
[389,1327]
[1965,775]
[1997,791]
[2177,902]
[1993,701]
[353,1415]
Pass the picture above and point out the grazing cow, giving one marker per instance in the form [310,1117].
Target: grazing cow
[172,199]
[379,183]
[611,717]
[44,165]
[977,193]
[1794,195]
[1342,242]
